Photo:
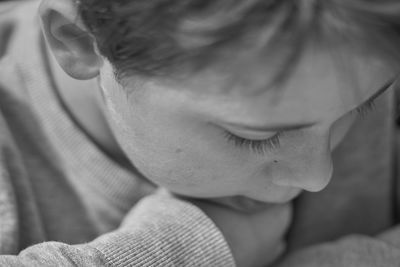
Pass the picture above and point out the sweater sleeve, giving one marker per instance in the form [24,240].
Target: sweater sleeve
[159,231]
[354,250]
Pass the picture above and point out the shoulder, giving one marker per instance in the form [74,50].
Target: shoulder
[8,23]
[13,14]
[7,6]
[19,43]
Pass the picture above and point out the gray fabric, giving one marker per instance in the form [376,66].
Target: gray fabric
[352,251]
[61,199]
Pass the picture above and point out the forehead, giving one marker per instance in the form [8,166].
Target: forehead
[320,87]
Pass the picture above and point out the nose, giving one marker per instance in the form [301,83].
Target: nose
[313,181]
[310,169]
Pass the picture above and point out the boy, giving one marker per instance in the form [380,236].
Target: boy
[194,96]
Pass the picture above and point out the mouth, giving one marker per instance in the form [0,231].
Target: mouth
[243,204]
[249,205]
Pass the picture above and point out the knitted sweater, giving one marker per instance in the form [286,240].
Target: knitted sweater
[63,202]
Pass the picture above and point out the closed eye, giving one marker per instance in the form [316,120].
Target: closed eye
[258,146]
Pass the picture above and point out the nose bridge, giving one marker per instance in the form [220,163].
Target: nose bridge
[311,167]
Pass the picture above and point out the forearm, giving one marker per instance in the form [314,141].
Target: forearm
[160,231]
[354,250]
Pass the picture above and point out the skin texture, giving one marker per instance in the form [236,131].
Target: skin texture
[175,135]
[174,131]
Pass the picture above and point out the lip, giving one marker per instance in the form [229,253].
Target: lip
[243,204]
[249,205]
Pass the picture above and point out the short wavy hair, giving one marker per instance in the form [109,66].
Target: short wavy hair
[165,37]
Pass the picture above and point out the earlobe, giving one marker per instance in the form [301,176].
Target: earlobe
[69,40]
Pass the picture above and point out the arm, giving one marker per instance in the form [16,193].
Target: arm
[354,250]
[160,231]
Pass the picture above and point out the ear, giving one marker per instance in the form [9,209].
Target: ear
[71,43]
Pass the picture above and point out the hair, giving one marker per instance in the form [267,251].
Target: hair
[165,37]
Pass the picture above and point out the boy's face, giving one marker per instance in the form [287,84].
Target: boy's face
[179,134]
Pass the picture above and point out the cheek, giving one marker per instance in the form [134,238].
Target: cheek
[172,152]
[181,168]
[177,151]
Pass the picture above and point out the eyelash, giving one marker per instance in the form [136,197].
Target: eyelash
[264,146]
[258,146]
[365,109]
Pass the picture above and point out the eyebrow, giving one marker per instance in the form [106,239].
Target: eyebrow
[293,127]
